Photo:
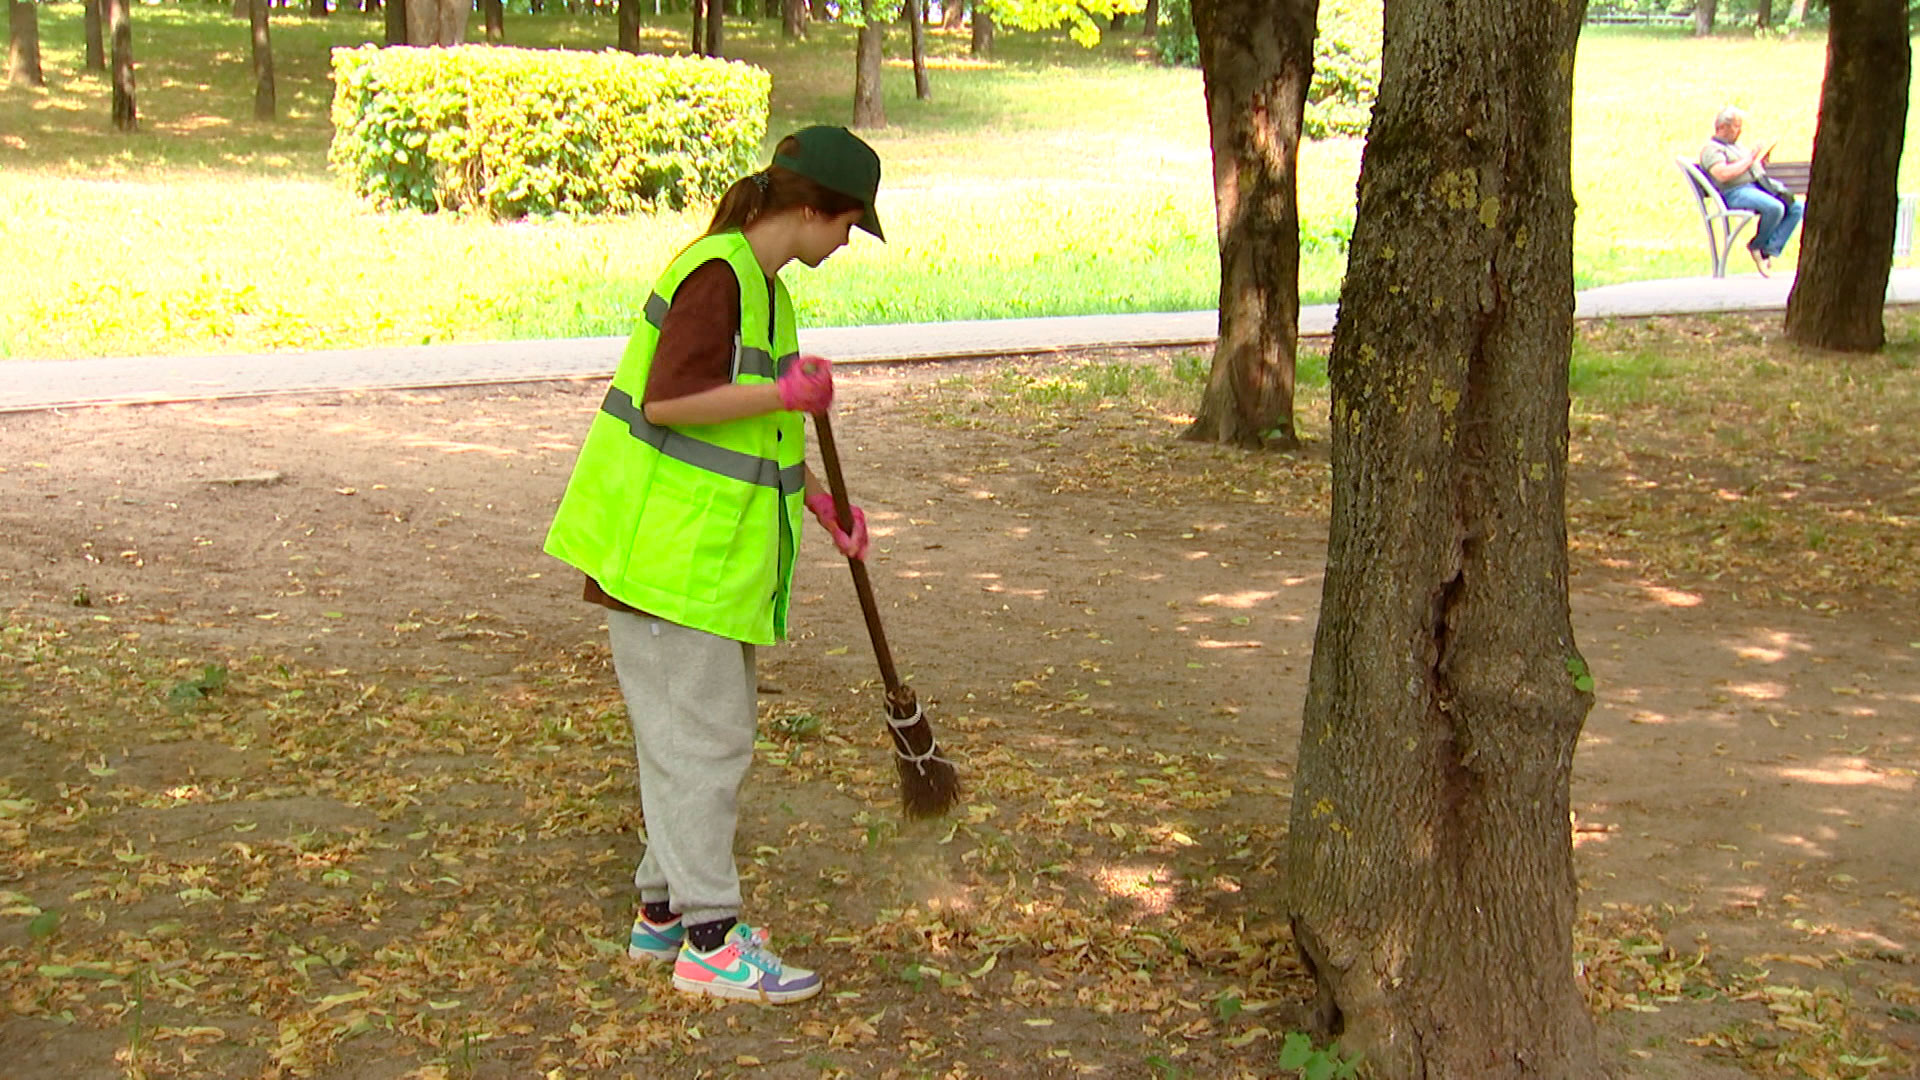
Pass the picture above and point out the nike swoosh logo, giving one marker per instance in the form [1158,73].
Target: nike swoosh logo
[738,974]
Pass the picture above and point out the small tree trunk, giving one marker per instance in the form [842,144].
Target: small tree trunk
[697,42]
[1703,17]
[793,20]
[1150,20]
[242,9]
[1256,60]
[317,8]
[1763,14]
[982,43]
[96,39]
[869,107]
[126,117]
[23,47]
[494,12]
[716,21]
[916,17]
[437,22]
[394,15]
[1118,22]
[952,14]
[629,22]
[1846,254]
[1797,14]
[264,106]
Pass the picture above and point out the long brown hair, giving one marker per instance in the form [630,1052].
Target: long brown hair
[772,190]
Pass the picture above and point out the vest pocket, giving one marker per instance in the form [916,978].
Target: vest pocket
[685,535]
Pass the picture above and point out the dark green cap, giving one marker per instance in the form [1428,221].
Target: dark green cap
[838,160]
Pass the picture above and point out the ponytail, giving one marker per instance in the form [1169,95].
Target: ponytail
[771,190]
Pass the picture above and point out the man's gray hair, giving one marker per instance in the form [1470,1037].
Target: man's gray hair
[1728,115]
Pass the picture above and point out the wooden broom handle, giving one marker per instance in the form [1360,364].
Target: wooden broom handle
[843,510]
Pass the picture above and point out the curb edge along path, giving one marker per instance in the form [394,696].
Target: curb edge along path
[33,385]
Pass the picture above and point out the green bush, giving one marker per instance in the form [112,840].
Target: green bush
[514,132]
[1346,62]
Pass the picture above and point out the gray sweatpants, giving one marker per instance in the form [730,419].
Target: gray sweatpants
[691,700]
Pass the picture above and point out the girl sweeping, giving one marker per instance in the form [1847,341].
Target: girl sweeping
[684,512]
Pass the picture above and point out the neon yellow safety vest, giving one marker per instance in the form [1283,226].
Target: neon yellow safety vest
[694,524]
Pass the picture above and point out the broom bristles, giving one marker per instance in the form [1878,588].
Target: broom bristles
[929,784]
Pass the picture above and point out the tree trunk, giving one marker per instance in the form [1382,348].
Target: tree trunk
[317,8]
[394,15]
[1256,61]
[697,42]
[494,14]
[869,106]
[1797,14]
[1763,14]
[1703,17]
[915,13]
[437,22]
[1430,876]
[793,20]
[1846,254]
[264,106]
[952,14]
[1150,20]
[126,117]
[96,40]
[1117,22]
[982,43]
[629,26]
[23,45]
[716,20]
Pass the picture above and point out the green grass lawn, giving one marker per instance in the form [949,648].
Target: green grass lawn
[1052,180]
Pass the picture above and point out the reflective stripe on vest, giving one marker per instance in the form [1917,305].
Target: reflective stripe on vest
[687,450]
[747,360]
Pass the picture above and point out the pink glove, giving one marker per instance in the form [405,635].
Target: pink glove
[852,546]
[807,385]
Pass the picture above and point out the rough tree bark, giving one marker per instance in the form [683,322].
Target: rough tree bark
[1846,253]
[23,45]
[914,11]
[1430,876]
[627,36]
[91,19]
[869,106]
[126,116]
[1256,61]
[264,105]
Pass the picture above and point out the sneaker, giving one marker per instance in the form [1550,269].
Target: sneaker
[743,968]
[656,941]
[1761,262]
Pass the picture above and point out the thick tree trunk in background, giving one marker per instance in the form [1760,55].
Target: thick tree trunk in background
[394,16]
[697,40]
[1429,873]
[982,43]
[317,8]
[952,14]
[1846,253]
[1763,14]
[23,45]
[716,22]
[1256,60]
[91,19]
[793,19]
[869,107]
[1703,17]
[494,14]
[915,12]
[628,34]
[437,22]
[1150,20]
[264,105]
[126,117]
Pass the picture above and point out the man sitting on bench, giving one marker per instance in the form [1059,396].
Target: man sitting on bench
[1741,176]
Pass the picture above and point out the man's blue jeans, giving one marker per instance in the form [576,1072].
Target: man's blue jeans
[1777,222]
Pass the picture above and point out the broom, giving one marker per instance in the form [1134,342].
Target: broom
[929,786]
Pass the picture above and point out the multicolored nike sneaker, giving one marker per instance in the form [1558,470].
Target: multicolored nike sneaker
[655,941]
[743,968]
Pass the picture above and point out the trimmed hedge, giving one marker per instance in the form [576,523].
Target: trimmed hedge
[514,132]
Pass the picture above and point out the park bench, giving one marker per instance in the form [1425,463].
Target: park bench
[1725,224]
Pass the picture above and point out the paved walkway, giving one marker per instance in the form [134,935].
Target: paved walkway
[32,385]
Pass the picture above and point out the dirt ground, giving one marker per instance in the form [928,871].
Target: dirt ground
[1083,603]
